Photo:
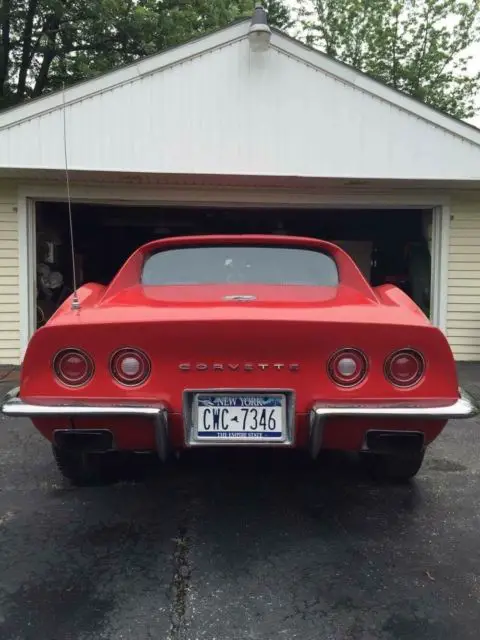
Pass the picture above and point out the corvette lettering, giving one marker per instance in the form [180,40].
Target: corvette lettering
[247,366]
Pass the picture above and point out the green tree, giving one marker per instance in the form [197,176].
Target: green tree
[422,47]
[45,43]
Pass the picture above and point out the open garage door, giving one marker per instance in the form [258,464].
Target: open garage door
[389,246]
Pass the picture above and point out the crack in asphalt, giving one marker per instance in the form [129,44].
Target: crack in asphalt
[180,585]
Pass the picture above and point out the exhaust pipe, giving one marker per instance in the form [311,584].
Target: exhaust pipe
[399,442]
[84,440]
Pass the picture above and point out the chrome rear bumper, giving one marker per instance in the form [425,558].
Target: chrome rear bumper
[14,406]
[464,407]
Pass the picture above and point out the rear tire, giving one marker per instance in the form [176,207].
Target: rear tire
[393,468]
[82,469]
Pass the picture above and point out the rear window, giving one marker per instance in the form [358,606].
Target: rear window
[245,264]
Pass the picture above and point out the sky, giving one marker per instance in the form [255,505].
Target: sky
[474,65]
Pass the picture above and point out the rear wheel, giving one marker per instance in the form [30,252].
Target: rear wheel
[395,468]
[82,468]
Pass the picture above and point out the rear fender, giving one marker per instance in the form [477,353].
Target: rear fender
[392,296]
[88,295]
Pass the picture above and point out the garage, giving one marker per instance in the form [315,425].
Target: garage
[217,137]
[389,246]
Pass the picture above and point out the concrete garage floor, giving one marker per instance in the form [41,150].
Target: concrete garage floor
[252,547]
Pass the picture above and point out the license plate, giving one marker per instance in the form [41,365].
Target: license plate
[247,418]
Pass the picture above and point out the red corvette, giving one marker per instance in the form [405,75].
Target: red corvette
[239,340]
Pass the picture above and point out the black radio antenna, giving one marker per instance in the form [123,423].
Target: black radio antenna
[75,300]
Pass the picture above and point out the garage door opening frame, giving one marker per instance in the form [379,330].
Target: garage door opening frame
[244,198]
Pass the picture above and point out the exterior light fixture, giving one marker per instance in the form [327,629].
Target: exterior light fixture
[259,33]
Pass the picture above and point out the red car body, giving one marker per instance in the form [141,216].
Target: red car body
[241,338]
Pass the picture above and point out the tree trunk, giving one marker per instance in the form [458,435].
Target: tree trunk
[26,49]
[4,46]
[50,30]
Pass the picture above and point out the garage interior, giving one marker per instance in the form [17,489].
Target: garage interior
[389,246]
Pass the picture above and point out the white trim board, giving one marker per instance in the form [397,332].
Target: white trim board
[26,211]
[439,266]
[129,195]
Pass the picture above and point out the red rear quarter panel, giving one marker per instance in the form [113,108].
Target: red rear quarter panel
[88,295]
[391,296]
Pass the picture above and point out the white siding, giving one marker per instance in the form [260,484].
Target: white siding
[463,311]
[9,287]
[226,111]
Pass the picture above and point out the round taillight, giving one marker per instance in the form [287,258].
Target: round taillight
[347,367]
[73,367]
[130,367]
[405,368]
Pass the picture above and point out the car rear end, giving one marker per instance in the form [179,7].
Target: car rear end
[250,348]
[242,375]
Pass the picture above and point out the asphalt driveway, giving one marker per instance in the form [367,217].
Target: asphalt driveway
[241,547]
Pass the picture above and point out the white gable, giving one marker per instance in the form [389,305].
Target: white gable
[214,107]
